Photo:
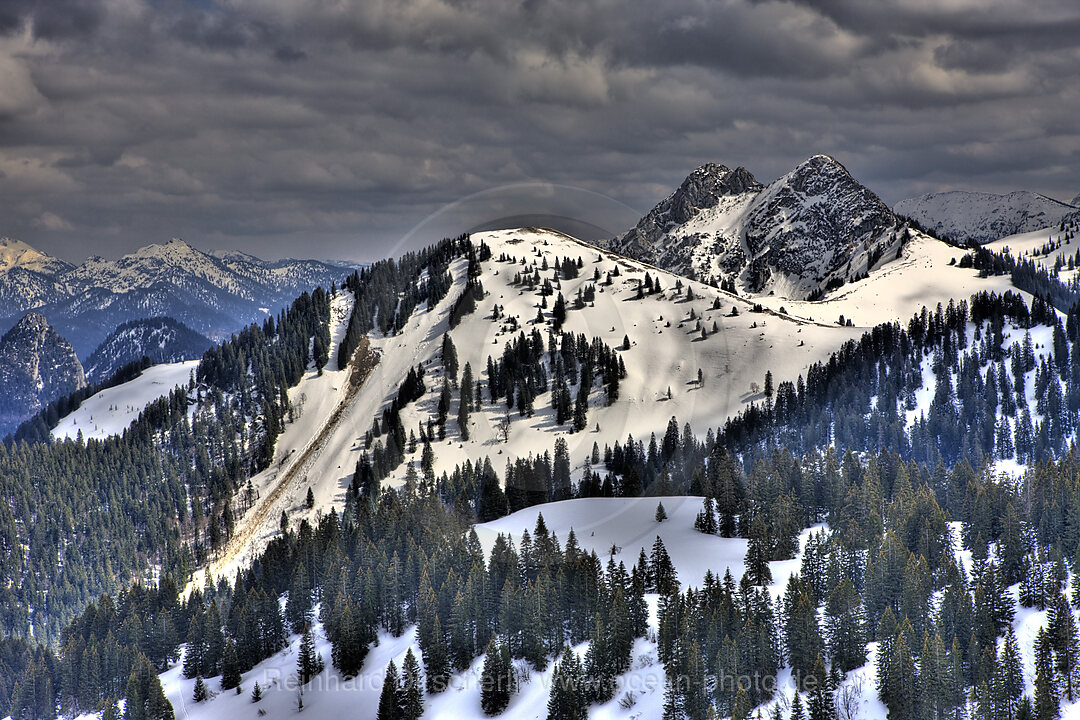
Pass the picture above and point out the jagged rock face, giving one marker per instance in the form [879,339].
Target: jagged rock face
[36,367]
[984,217]
[1075,202]
[214,293]
[814,223]
[810,229]
[161,339]
[668,236]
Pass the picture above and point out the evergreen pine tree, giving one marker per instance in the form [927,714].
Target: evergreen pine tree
[706,519]
[412,691]
[797,712]
[497,680]
[436,659]
[1011,669]
[566,700]
[309,663]
[465,402]
[757,553]
[200,693]
[1062,632]
[1046,697]
[390,704]
[230,666]
[845,622]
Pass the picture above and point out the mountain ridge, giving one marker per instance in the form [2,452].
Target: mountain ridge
[984,217]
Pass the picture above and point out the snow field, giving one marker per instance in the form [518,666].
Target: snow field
[112,410]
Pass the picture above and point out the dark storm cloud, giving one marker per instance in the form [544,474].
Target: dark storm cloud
[339,128]
[53,19]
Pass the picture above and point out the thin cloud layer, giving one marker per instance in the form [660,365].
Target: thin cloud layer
[341,128]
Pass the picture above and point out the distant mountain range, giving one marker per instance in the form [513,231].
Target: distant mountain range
[214,293]
[984,217]
[161,339]
[812,229]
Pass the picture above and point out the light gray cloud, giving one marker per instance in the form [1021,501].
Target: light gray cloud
[336,128]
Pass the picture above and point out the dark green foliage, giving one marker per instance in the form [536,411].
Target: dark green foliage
[230,666]
[390,698]
[308,661]
[145,700]
[1046,694]
[498,683]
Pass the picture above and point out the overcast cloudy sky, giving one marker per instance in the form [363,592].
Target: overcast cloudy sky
[338,128]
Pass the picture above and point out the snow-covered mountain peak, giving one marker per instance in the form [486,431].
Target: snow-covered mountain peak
[17,254]
[703,189]
[1075,202]
[161,339]
[213,293]
[817,175]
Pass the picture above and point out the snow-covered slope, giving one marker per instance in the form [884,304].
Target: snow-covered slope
[814,228]
[983,217]
[665,354]
[627,524]
[213,293]
[161,339]
[662,364]
[36,367]
[111,411]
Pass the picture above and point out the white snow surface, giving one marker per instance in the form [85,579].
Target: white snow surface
[112,410]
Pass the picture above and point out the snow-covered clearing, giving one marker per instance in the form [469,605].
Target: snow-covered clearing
[112,410]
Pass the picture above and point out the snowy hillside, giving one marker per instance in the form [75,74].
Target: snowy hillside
[626,525]
[667,350]
[321,448]
[691,352]
[111,411]
[810,230]
[983,217]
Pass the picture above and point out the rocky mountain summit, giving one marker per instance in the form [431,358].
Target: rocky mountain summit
[810,230]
